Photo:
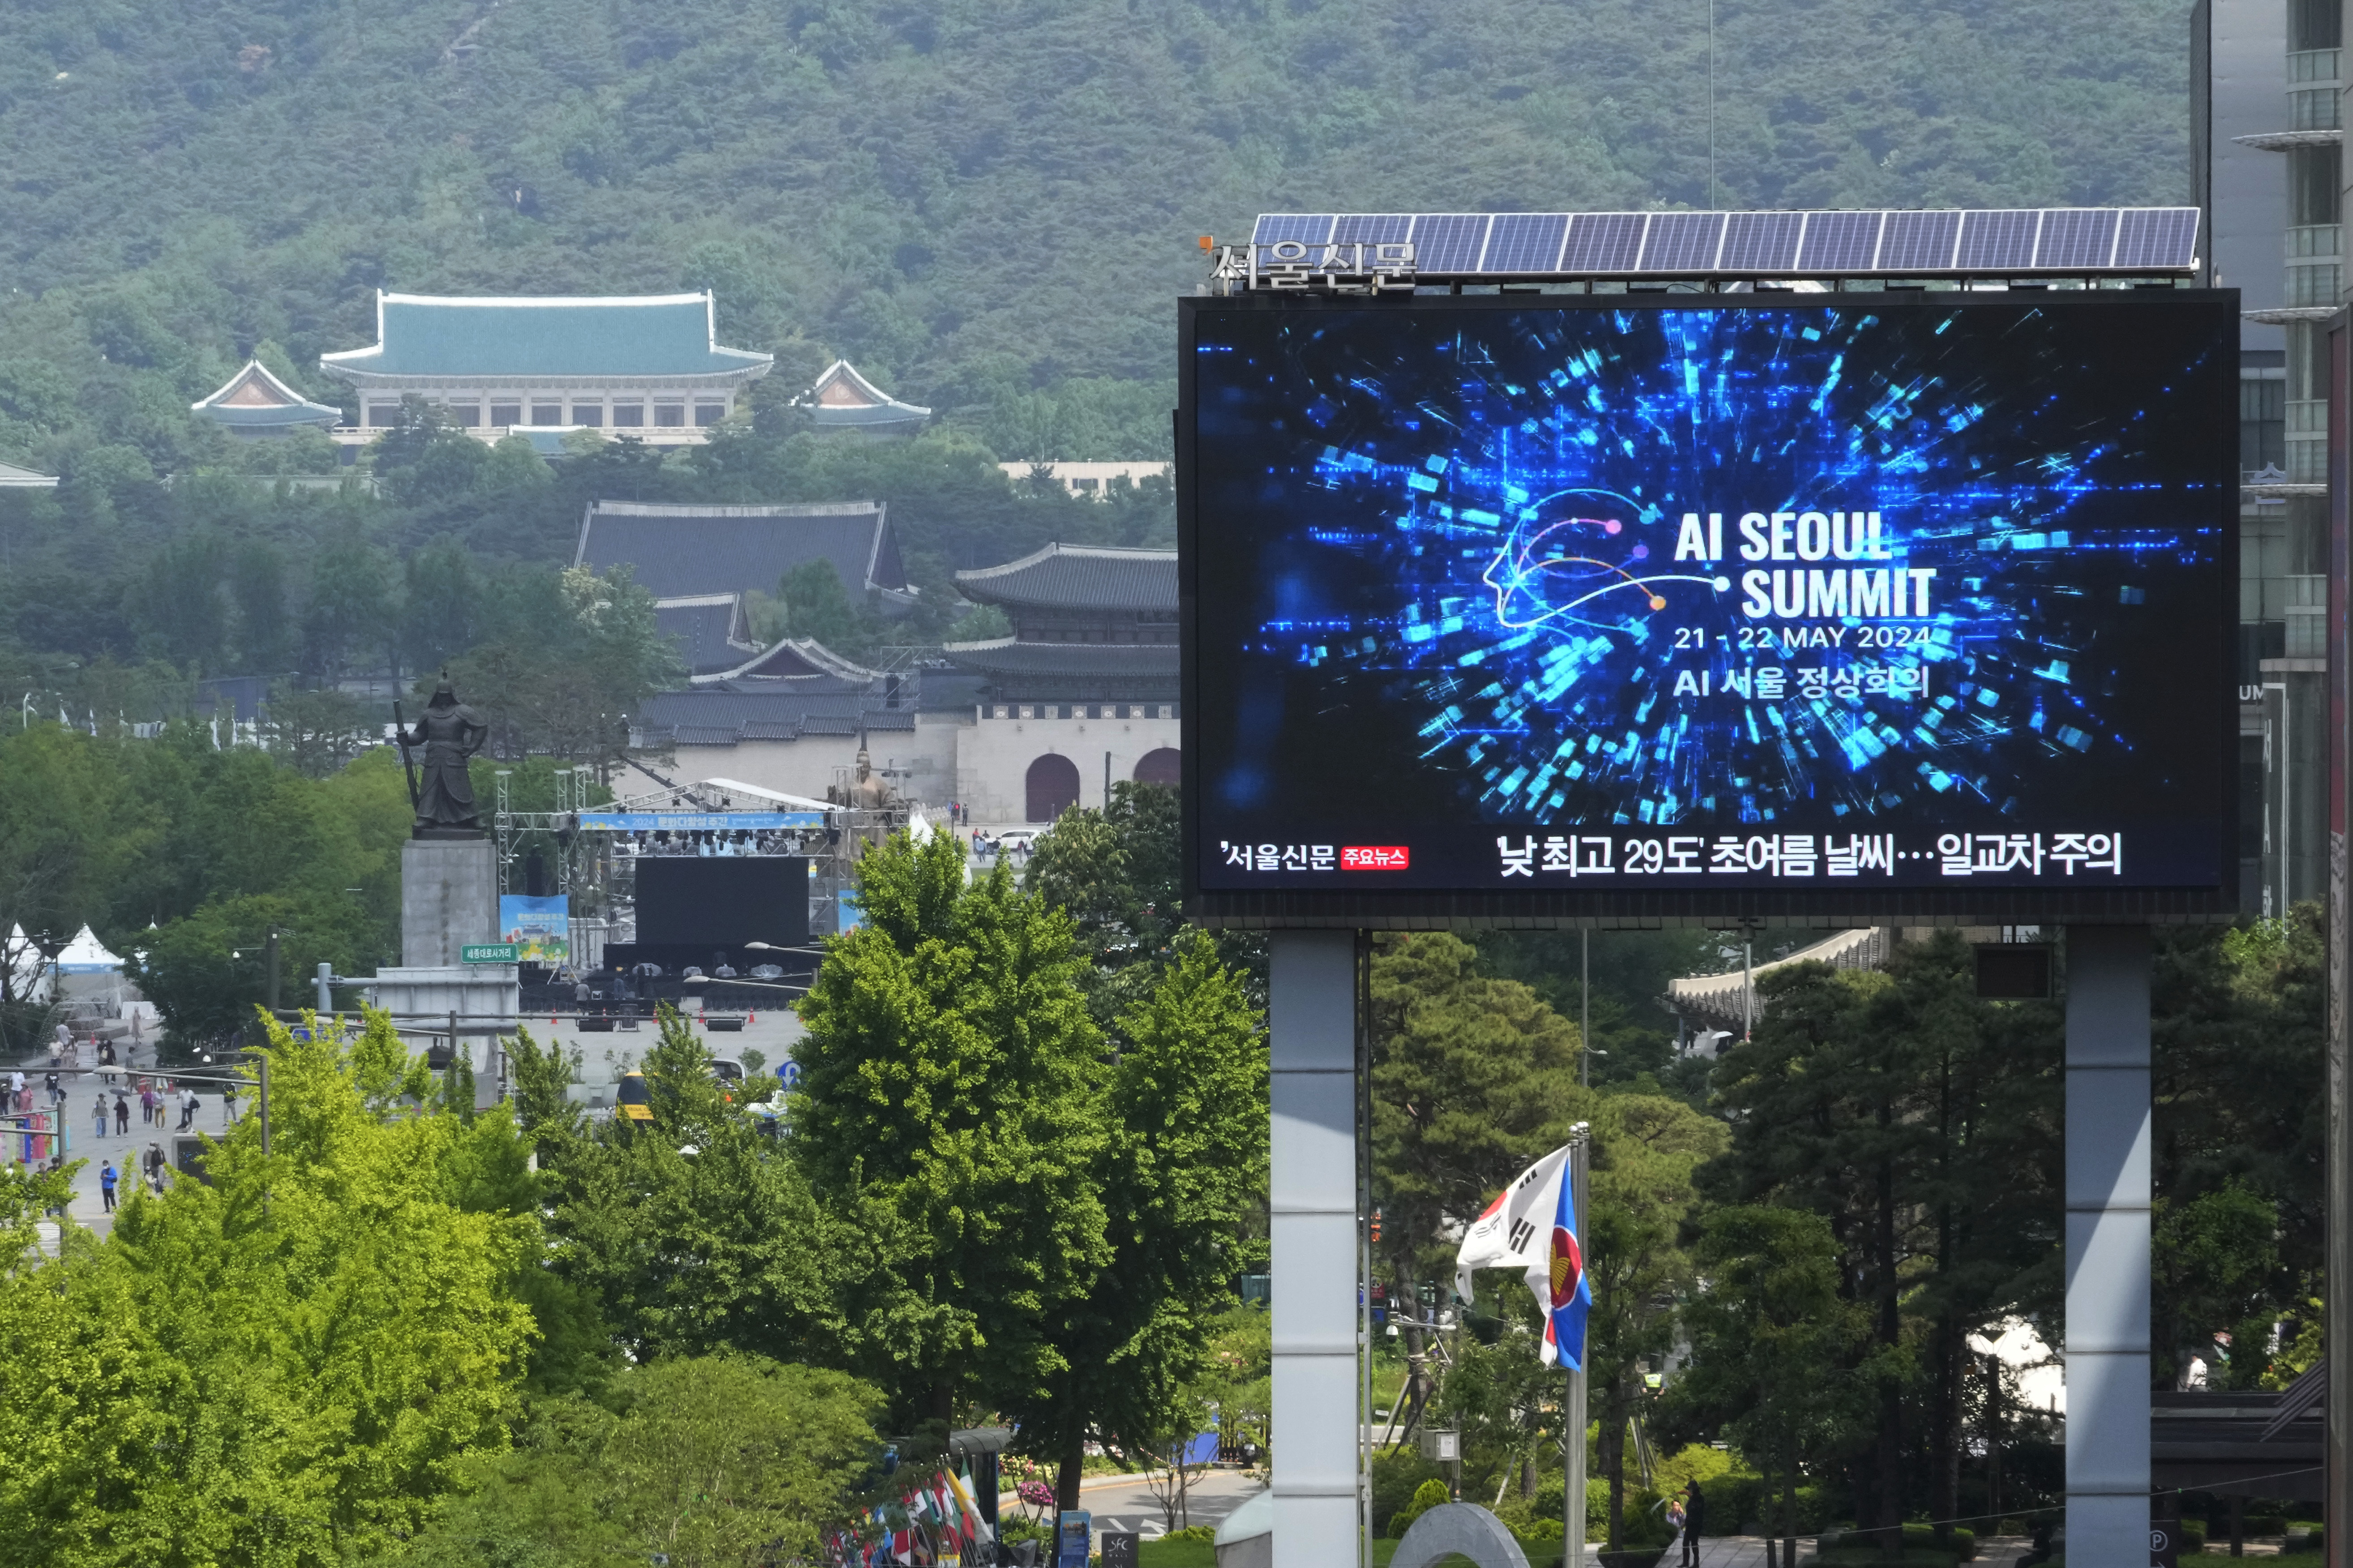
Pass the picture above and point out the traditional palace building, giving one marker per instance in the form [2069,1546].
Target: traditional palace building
[645,365]
[256,405]
[1083,694]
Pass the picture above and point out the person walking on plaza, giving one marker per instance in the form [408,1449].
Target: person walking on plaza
[188,1110]
[106,1179]
[121,1113]
[147,1105]
[228,1104]
[101,1109]
[1694,1517]
[153,1164]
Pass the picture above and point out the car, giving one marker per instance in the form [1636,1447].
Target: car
[727,1070]
[690,972]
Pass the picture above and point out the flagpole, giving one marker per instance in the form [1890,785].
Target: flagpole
[1572,1498]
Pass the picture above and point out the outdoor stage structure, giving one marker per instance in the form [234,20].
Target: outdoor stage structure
[589,854]
[1733,570]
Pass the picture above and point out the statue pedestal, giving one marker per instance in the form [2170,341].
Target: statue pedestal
[449,897]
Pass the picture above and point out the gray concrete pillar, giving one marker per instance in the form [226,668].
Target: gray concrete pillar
[2107,1247]
[1311,1028]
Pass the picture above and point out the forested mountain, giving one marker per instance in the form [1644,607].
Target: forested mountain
[987,206]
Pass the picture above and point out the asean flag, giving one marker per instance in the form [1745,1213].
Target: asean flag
[1563,1293]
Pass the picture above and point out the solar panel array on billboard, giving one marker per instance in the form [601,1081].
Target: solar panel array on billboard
[1806,244]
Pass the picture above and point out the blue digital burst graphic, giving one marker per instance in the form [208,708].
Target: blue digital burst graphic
[1824,564]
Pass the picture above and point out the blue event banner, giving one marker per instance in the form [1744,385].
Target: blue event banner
[697,821]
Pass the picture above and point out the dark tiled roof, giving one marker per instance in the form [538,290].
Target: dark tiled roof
[682,550]
[728,713]
[797,656]
[642,335]
[1092,662]
[1078,577]
[705,630]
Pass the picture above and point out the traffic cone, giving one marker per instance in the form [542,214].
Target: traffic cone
[751,1017]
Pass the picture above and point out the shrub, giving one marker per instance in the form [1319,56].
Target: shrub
[1427,1496]
[1397,1476]
[1204,1533]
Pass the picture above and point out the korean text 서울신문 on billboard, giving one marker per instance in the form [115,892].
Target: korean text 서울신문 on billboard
[1912,590]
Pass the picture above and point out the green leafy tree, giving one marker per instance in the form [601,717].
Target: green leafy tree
[719,1461]
[1182,1180]
[691,1232]
[284,1365]
[952,1109]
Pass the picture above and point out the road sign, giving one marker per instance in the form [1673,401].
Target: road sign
[487,953]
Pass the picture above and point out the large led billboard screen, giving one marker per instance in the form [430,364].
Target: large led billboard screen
[1712,606]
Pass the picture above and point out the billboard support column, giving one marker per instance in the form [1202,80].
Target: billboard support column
[2337,1194]
[1312,1192]
[2107,1247]
[1572,1423]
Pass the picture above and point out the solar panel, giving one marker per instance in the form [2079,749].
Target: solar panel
[1918,242]
[1762,242]
[1275,227]
[1603,242]
[1525,242]
[2157,237]
[1839,242]
[1449,242]
[1999,240]
[1371,228]
[2005,240]
[2076,237]
[1683,242]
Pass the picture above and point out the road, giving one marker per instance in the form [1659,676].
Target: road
[1118,1503]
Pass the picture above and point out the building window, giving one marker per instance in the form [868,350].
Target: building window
[547,414]
[628,414]
[1000,712]
[2312,184]
[384,415]
[591,415]
[710,412]
[2263,424]
[505,414]
[2314,25]
[669,415]
[468,415]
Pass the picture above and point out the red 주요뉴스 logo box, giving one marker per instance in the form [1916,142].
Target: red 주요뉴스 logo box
[1373,858]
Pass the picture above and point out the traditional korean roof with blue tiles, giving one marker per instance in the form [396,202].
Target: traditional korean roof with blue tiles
[446,337]
[253,399]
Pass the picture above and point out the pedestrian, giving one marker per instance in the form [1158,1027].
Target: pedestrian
[228,1104]
[146,1104]
[155,1163]
[55,1088]
[121,1113]
[102,1115]
[1694,1520]
[106,1180]
[188,1109]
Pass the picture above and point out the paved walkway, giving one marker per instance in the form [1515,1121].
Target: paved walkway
[83,1142]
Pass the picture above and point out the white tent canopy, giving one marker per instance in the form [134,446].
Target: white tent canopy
[85,954]
[26,966]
